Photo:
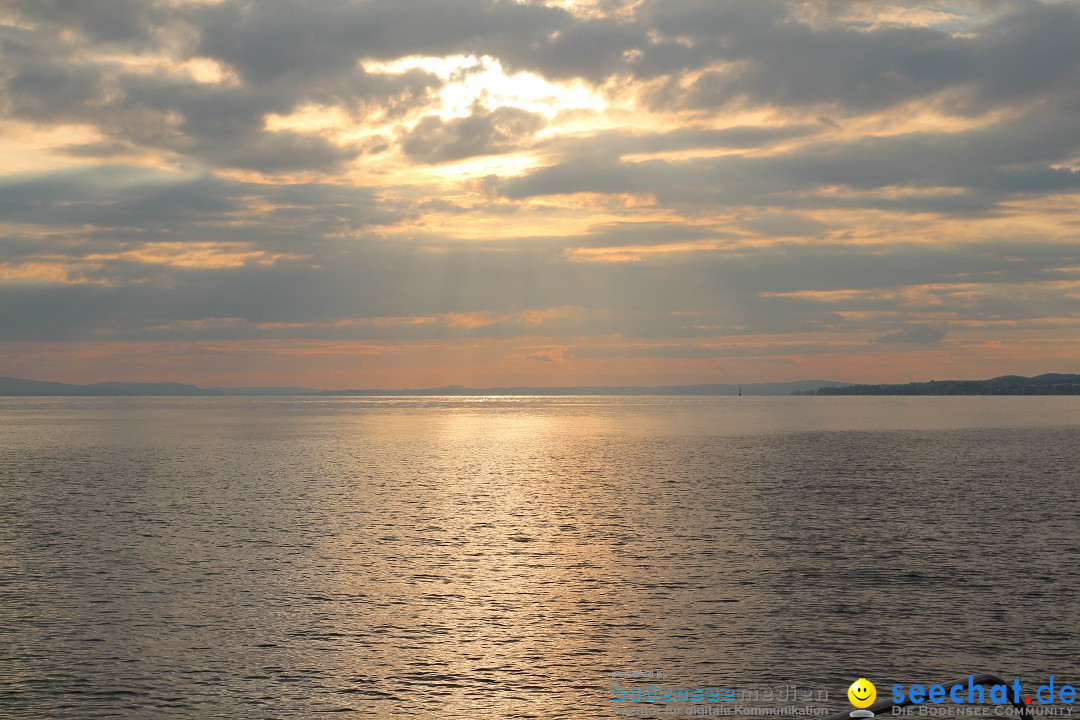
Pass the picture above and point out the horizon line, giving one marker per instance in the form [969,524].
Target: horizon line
[11,386]
[304,390]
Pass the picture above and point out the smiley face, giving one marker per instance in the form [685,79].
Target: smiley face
[862,693]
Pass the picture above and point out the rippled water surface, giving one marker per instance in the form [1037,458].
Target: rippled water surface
[500,557]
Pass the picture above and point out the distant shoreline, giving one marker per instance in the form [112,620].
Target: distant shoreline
[1046,384]
[18,387]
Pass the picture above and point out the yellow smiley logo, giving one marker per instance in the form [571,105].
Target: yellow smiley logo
[862,693]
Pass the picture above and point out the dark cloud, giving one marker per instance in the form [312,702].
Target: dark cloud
[586,175]
[794,65]
[281,151]
[1029,52]
[482,132]
[590,49]
[53,78]
[1023,155]
[277,38]
[226,126]
[103,21]
[785,225]
[45,85]
[1022,52]
[125,196]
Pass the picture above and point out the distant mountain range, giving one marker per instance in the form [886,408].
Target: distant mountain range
[1048,384]
[17,386]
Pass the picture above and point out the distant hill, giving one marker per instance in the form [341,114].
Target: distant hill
[16,386]
[1047,384]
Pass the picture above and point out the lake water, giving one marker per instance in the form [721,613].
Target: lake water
[501,557]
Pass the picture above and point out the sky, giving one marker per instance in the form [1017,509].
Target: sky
[413,193]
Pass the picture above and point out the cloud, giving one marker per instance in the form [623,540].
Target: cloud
[611,144]
[278,38]
[127,196]
[916,335]
[1025,155]
[70,79]
[105,21]
[660,351]
[294,277]
[482,132]
[776,53]
[745,179]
